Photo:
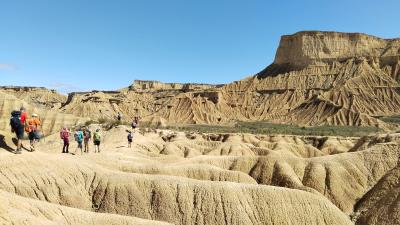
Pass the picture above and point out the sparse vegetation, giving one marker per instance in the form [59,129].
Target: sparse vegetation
[391,119]
[271,128]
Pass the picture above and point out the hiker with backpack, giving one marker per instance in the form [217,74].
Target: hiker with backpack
[79,139]
[17,123]
[130,139]
[97,140]
[64,135]
[32,128]
[87,135]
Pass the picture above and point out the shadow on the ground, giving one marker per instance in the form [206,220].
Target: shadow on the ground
[4,145]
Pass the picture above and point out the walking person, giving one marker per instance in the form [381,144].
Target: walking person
[119,117]
[87,135]
[130,139]
[97,140]
[133,125]
[64,134]
[32,127]
[17,122]
[79,139]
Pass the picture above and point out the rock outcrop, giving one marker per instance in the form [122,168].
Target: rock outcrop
[52,119]
[317,78]
[149,86]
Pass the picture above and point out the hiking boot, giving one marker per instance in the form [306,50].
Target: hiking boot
[18,151]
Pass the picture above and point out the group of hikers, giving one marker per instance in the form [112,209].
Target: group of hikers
[21,123]
[82,136]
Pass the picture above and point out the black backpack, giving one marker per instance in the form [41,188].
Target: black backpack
[15,121]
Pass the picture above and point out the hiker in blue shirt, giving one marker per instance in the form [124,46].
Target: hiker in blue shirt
[79,139]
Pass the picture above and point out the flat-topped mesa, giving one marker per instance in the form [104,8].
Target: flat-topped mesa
[26,88]
[148,85]
[313,47]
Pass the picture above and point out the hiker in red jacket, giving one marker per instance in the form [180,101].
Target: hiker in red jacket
[64,135]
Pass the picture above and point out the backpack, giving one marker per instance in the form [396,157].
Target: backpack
[64,134]
[97,136]
[134,125]
[88,134]
[130,137]
[15,121]
[79,136]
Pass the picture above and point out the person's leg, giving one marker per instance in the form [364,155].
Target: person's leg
[76,148]
[64,146]
[19,145]
[67,147]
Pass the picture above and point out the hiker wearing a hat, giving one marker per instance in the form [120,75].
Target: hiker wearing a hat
[32,128]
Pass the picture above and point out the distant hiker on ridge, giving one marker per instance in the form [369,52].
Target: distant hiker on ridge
[119,116]
[130,139]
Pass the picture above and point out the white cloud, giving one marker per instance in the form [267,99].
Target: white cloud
[6,66]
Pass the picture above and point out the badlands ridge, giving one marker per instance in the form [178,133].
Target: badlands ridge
[173,177]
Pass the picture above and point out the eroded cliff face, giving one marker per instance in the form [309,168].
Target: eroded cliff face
[52,119]
[39,96]
[315,47]
[317,78]
[149,86]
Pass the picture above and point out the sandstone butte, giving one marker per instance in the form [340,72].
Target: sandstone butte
[171,177]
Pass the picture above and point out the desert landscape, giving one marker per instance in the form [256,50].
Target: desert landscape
[314,139]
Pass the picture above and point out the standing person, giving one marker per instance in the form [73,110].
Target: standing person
[79,139]
[17,127]
[133,124]
[24,115]
[32,128]
[119,116]
[87,135]
[130,139]
[64,135]
[97,140]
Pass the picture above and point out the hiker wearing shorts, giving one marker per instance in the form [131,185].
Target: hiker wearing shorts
[97,140]
[130,139]
[64,135]
[17,124]
[79,139]
[87,135]
[32,128]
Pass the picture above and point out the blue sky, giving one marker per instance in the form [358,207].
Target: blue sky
[73,45]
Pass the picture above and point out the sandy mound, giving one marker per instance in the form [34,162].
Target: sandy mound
[18,210]
[381,204]
[73,182]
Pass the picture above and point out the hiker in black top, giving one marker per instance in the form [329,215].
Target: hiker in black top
[130,139]
[17,127]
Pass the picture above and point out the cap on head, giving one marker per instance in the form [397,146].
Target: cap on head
[97,130]
[34,115]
